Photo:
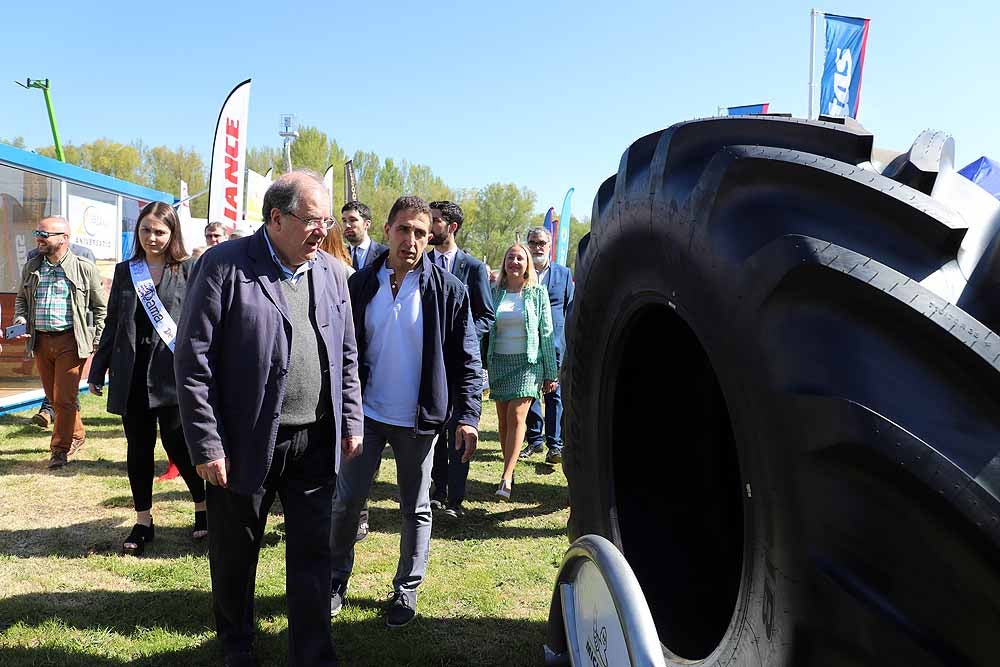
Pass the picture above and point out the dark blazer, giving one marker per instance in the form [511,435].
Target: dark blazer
[374,251]
[559,282]
[473,273]
[232,351]
[451,375]
[116,351]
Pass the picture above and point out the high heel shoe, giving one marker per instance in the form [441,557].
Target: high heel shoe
[135,543]
[200,530]
[505,488]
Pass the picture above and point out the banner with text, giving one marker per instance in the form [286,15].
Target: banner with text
[846,43]
[257,186]
[227,177]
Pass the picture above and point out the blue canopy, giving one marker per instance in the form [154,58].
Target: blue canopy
[985,173]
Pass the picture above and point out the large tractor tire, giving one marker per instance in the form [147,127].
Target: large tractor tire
[775,407]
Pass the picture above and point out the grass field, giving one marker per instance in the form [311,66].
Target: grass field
[68,598]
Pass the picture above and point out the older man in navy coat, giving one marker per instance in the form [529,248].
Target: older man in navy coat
[558,280]
[267,382]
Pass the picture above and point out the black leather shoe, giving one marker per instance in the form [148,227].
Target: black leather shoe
[399,612]
[135,543]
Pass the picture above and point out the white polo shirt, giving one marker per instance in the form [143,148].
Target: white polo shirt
[394,338]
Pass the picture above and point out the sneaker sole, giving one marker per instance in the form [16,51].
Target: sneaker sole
[401,625]
[39,420]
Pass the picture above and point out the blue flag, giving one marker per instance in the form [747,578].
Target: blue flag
[562,243]
[840,88]
[748,109]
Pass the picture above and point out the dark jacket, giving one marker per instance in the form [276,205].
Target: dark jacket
[473,273]
[116,351]
[375,250]
[451,376]
[232,353]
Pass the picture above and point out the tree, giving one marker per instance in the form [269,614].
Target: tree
[16,142]
[262,158]
[104,156]
[501,214]
[577,229]
[164,169]
[311,150]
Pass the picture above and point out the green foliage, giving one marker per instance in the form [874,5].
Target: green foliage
[16,142]
[499,215]
[164,169]
[262,158]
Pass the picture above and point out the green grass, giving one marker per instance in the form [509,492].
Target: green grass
[68,598]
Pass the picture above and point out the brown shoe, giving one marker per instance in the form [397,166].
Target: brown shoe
[57,460]
[76,445]
[42,418]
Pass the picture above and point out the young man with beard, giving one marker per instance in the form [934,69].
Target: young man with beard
[450,472]
[357,219]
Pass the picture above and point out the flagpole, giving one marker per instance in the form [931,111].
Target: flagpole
[812,58]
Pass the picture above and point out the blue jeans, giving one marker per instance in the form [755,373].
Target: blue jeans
[551,424]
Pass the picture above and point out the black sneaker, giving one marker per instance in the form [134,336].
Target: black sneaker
[439,500]
[554,456]
[455,511]
[530,450]
[337,596]
[399,612]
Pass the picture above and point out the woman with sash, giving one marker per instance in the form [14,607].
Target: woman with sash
[147,297]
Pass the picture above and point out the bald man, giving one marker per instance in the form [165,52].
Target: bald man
[63,304]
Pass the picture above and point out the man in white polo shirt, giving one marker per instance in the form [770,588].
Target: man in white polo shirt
[420,368]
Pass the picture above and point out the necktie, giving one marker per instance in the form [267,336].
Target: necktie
[443,261]
[354,257]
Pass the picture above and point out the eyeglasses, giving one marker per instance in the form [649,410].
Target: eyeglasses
[538,244]
[315,223]
[40,234]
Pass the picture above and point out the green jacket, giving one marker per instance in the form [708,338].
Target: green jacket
[538,327]
[88,295]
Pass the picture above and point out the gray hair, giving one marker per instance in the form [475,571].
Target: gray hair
[285,191]
[535,231]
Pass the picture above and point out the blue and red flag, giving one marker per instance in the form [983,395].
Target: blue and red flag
[748,109]
[846,43]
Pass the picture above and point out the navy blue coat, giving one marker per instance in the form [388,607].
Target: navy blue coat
[473,273]
[451,375]
[232,352]
[559,283]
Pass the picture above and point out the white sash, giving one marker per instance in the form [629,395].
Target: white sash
[150,300]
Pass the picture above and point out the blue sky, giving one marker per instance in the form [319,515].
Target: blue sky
[543,94]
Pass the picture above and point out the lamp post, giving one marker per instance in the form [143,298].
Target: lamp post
[289,134]
[43,85]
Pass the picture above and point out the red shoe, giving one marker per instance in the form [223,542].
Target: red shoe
[172,472]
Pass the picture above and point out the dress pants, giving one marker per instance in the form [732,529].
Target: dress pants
[549,429]
[302,475]
[60,369]
[448,473]
[413,476]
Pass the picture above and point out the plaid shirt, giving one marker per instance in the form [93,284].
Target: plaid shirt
[53,299]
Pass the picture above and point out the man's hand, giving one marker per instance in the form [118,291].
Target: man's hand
[350,446]
[24,336]
[215,472]
[549,386]
[466,437]
[95,390]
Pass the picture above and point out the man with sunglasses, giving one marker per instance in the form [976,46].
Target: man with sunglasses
[267,382]
[46,415]
[62,302]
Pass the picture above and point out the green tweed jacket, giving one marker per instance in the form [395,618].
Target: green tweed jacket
[538,326]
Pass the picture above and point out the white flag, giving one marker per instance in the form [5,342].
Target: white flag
[227,179]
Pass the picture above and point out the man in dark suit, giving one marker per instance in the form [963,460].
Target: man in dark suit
[357,219]
[558,280]
[267,381]
[449,472]
[46,414]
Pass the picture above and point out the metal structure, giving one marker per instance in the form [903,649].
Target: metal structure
[288,133]
[44,86]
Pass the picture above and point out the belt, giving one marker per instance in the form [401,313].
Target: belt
[53,333]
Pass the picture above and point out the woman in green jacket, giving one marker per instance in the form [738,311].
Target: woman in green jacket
[521,354]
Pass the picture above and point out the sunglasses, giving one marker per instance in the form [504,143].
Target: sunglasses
[39,234]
